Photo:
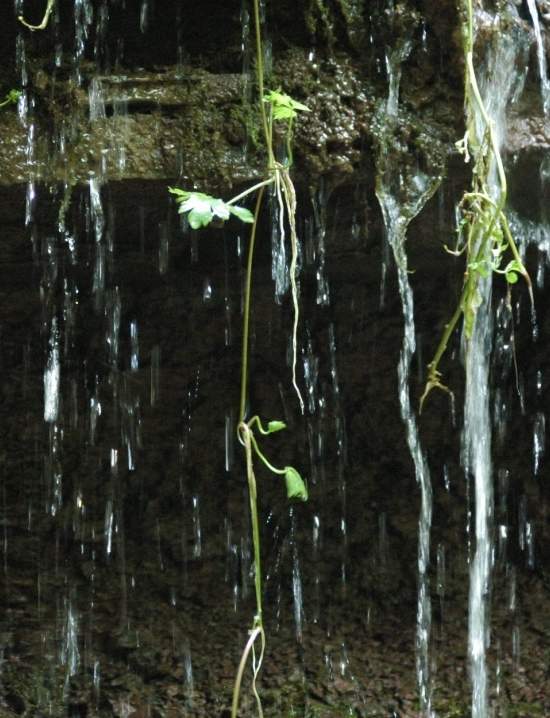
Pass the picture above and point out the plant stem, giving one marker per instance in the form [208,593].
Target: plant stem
[515,253]
[480,236]
[258,631]
[246,310]
[260,78]
[270,466]
[248,191]
[45,19]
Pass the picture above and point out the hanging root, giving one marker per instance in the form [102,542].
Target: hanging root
[256,666]
[434,382]
[45,19]
[290,203]
[257,631]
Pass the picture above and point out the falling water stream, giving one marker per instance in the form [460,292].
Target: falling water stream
[541,56]
[498,82]
[402,192]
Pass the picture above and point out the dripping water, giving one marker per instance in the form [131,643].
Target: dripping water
[498,83]
[541,56]
[402,196]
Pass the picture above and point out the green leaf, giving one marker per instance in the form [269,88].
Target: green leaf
[220,209]
[514,266]
[13,95]
[295,486]
[274,426]
[199,218]
[203,208]
[200,210]
[511,277]
[283,106]
[245,215]
[181,194]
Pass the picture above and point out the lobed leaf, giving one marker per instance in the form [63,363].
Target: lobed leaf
[245,215]
[283,106]
[203,208]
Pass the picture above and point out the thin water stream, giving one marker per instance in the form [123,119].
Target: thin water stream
[402,192]
[541,56]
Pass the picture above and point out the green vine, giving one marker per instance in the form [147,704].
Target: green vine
[10,98]
[484,234]
[276,109]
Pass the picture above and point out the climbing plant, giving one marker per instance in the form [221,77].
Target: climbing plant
[483,232]
[277,110]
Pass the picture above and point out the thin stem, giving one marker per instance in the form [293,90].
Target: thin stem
[246,311]
[480,234]
[515,253]
[489,124]
[290,200]
[290,157]
[256,420]
[260,78]
[248,191]
[269,465]
[258,631]
[256,666]
[45,19]
[253,498]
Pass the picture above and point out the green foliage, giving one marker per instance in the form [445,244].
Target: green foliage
[203,208]
[275,426]
[484,235]
[483,231]
[295,486]
[11,98]
[283,107]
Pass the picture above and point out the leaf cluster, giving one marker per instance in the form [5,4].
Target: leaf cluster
[10,98]
[485,237]
[203,208]
[295,485]
[283,107]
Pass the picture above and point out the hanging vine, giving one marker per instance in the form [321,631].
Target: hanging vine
[276,108]
[483,232]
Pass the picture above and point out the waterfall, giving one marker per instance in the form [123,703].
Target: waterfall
[498,82]
[402,192]
[541,56]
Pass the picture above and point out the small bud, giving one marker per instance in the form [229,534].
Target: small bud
[295,486]
[275,426]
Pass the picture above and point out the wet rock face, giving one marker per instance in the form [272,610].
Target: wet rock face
[149,95]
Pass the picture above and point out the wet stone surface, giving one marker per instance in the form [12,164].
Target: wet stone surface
[128,591]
